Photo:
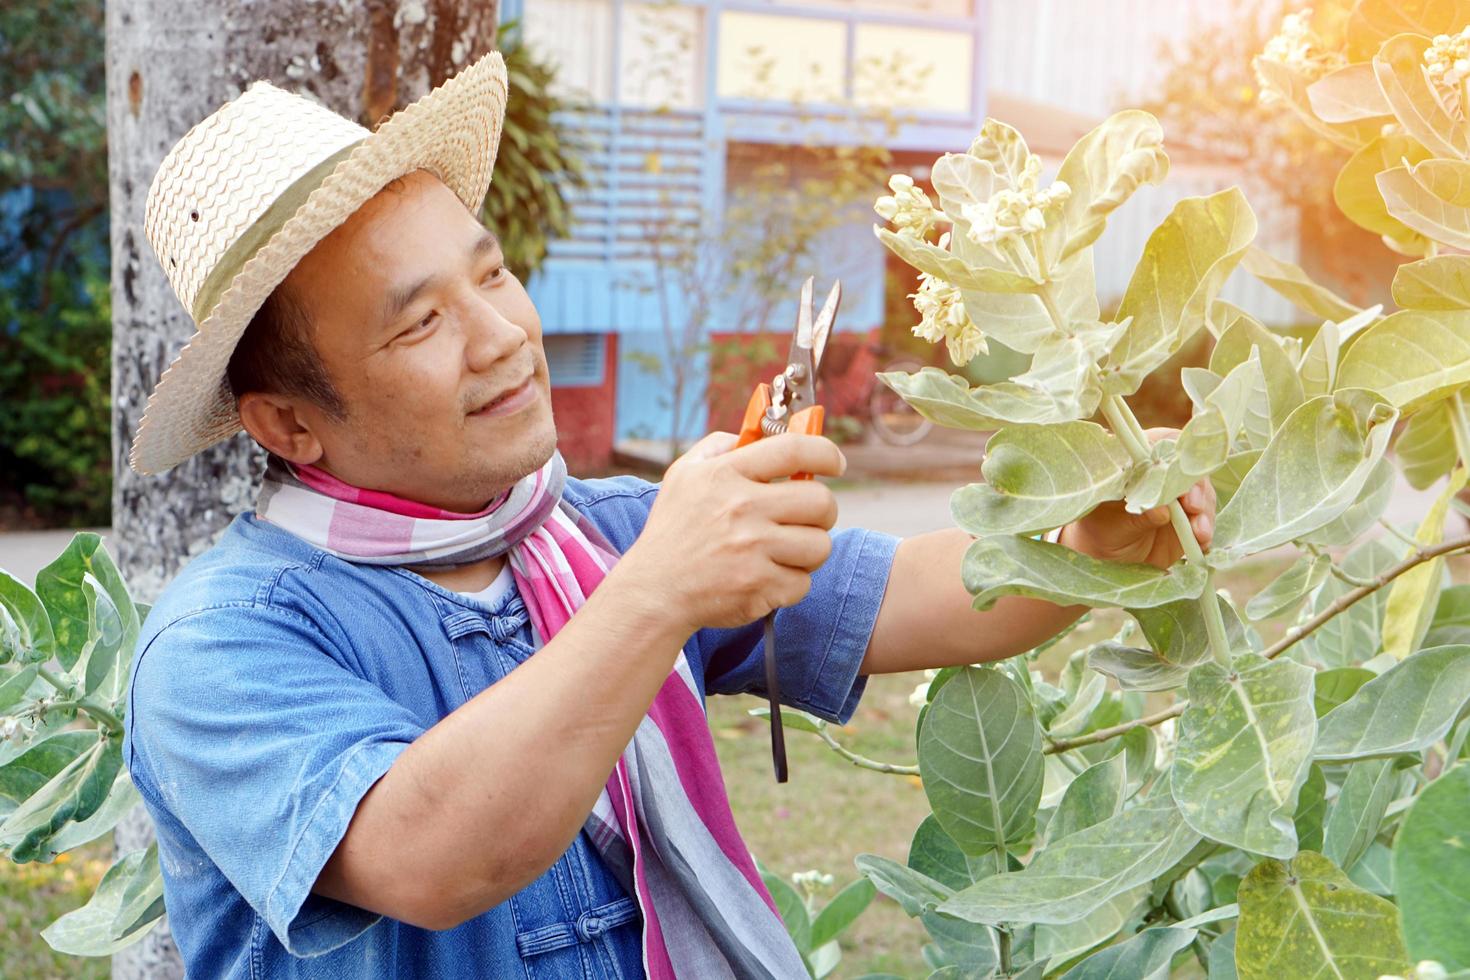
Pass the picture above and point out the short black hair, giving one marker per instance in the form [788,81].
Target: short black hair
[276,355]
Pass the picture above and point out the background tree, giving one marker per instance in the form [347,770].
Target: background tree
[1209,98]
[168,66]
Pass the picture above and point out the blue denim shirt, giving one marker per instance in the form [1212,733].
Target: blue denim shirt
[274,683]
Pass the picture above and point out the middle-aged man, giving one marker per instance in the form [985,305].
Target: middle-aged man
[435,708]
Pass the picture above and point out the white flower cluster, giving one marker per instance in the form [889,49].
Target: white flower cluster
[921,693]
[1016,211]
[1299,48]
[812,883]
[942,316]
[908,207]
[1447,63]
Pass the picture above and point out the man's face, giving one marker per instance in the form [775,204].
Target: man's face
[420,327]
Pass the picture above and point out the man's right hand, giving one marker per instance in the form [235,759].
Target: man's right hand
[723,545]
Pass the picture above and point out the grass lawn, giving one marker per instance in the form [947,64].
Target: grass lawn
[32,896]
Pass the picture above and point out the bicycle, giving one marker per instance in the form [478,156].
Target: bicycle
[850,371]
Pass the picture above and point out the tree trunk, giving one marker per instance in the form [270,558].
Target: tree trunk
[170,64]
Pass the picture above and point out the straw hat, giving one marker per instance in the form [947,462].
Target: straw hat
[251,189]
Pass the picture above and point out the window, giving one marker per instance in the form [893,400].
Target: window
[913,68]
[785,59]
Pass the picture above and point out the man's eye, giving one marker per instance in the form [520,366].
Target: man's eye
[497,276]
[422,323]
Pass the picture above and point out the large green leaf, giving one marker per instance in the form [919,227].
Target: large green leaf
[1348,94]
[1097,794]
[23,776]
[60,586]
[1186,261]
[1439,283]
[1287,589]
[943,264]
[1040,477]
[1283,385]
[1064,371]
[971,950]
[1292,282]
[1411,358]
[1318,365]
[1311,810]
[1372,22]
[1451,622]
[1072,876]
[1405,709]
[25,629]
[1431,871]
[934,853]
[120,799]
[1103,170]
[1059,944]
[1292,85]
[1007,565]
[1177,640]
[1426,449]
[89,930]
[916,893]
[1432,198]
[947,400]
[1399,65]
[75,793]
[980,760]
[1412,596]
[1144,955]
[1364,513]
[1357,813]
[1356,189]
[18,686]
[1355,634]
[1312,472]
[1245,745]
[1334,686]
[1304,918]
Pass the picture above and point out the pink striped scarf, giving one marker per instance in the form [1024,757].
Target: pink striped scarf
[662,822]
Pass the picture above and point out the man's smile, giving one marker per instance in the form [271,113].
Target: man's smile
[510,401]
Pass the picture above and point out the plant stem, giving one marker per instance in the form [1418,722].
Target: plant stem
[1004,936]
[109,720]
[54,681]
[1397,533]
[1420,556]
[1125,426]
[863,761]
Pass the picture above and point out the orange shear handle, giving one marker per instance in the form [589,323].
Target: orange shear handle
[807,422]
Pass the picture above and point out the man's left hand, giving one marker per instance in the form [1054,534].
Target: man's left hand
[1110,532]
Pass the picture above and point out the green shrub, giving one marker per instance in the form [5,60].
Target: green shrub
[55,386]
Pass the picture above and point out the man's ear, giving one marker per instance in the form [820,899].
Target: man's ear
[276,422]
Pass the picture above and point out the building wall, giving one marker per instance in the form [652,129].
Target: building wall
[584,417]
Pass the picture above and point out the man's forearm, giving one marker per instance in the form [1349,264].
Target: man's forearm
[486,800]
[928,619]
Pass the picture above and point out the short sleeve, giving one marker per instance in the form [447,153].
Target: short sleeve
[821,641]
[257,741]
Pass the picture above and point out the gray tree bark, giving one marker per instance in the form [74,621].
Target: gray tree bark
[170,63]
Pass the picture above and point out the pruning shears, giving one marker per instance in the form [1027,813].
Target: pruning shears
[789,404]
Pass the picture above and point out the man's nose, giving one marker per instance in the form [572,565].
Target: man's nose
[490,334]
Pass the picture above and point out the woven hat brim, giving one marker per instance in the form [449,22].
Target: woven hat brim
[453,132]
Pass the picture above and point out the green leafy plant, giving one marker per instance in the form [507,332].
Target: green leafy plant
[812,924]
[538,163]
[1295,808]
[65,650]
